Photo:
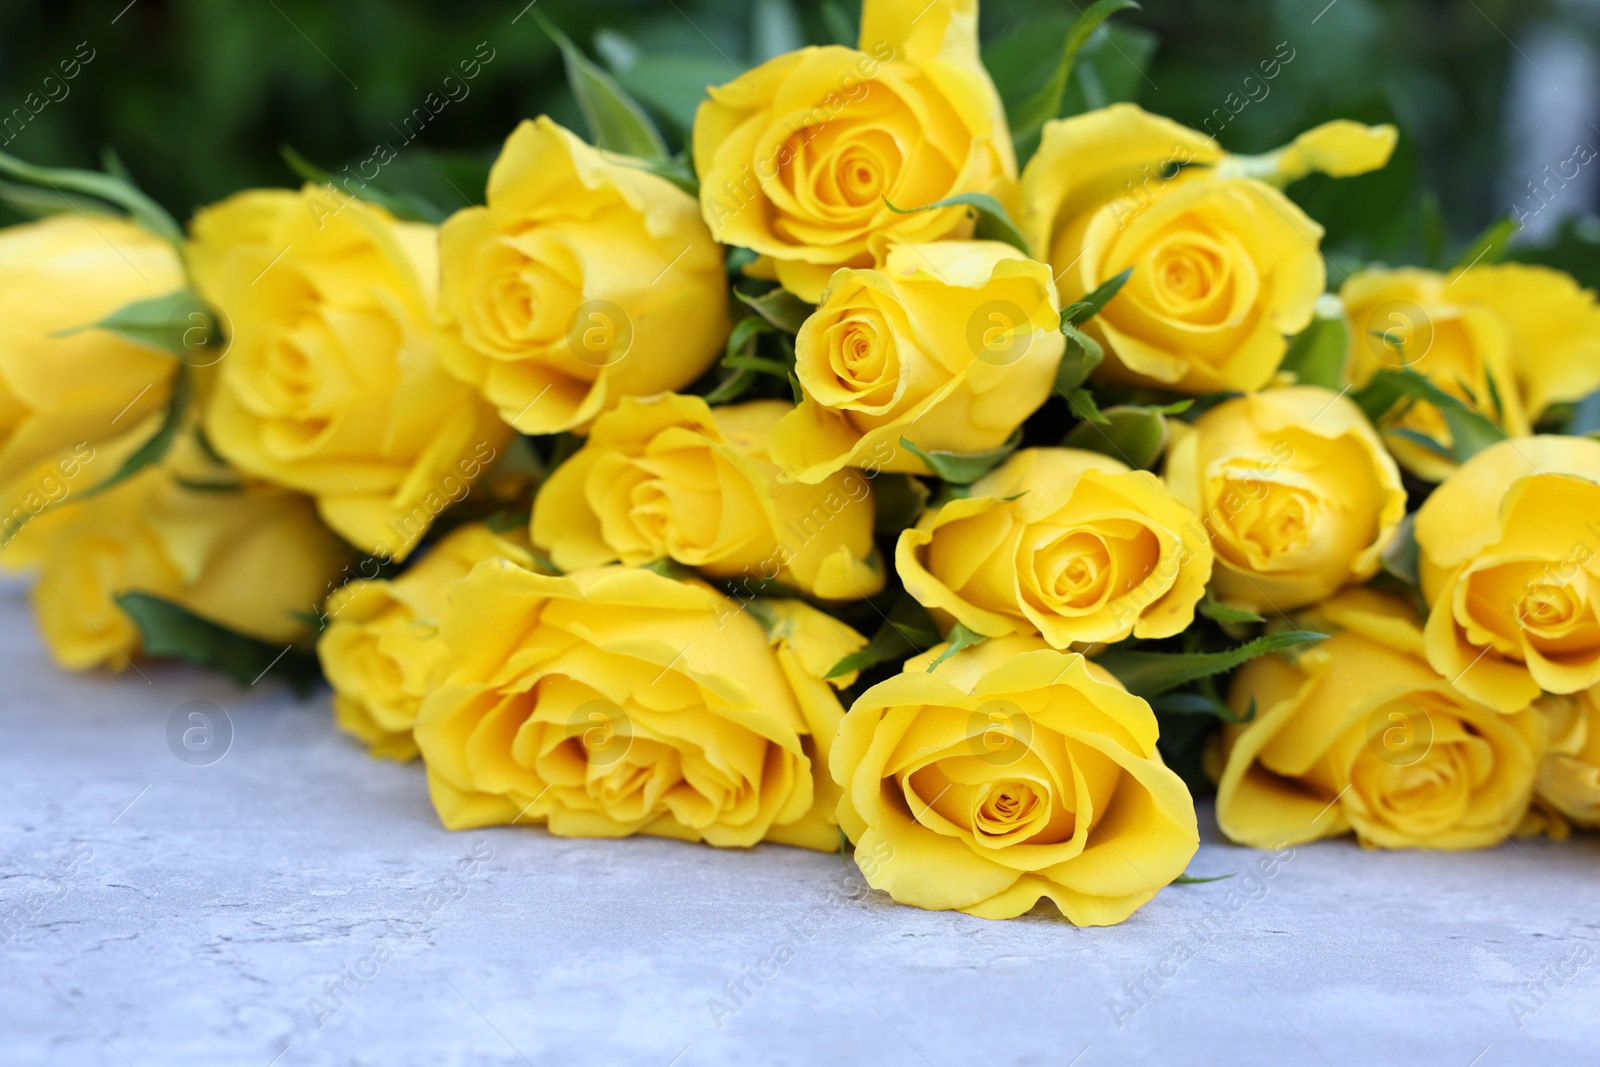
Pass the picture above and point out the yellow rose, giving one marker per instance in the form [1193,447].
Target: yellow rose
[1067,544]
[1511,572]
[1359,733]
[1569,777]
[1296,490]
[586,279]
[673,478]
[251,558]
[1419,320]
[797,156]
[1224,264]
[381,650]
[616,701]
[332,384]
[952,346]
[1553,326]
[1011,773]
[63,393]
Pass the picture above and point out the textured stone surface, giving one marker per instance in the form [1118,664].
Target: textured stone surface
[157,913]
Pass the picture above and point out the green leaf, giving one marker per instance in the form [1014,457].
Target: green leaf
[1212,608]
[899,500]
[780,307]
[1080,312]
[154,449]
[670,568]
[1432,223]
[1083,405]
[616,121]
[1191,703]
[166,324]
[113,190]
[1082,356]
[1470,429]
[1402,555]
[1184,879]
[408,207]
[1030,115]
[732,387]
[1490,246]
[1149,674]
[963,468]
[674,85]
[1585,416]
[1135,435]
[170,630]
[1316,355]
[994,224]
[960,638]
[907,631]
[36,203]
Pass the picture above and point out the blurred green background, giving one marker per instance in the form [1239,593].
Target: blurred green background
[197,96]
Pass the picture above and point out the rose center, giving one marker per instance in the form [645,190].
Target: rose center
[1548,605]
[1005,805]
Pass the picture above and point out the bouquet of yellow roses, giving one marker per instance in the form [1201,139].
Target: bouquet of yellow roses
[904,465]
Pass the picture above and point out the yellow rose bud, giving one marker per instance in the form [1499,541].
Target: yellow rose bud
[952,346]
[62,393]
[1066,544]
[251,558]
[584,280]
[673,478]
[1511,571]
[1569,777]
[1011,773]
[1359,733]
[1419,320]
[1296,490]
[332,383]
[797,156]
[616,701]
[1225,266]
[381,650]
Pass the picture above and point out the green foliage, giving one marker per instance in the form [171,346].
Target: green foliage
[994,224]
[1150,674]
[963,468]
[171,630]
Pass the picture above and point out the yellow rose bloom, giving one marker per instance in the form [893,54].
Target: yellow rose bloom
[1225,266]
[584,280]
[248,557]
[616,701]
[672,478]
[1067,544]
[1359,733]
[381,649]
[332,383]
[1420,320]
[63,393]
[797,156]
[1012,773]
[1511,572]
[1297,491]
[1553,326]
[952,346]
[1569,778]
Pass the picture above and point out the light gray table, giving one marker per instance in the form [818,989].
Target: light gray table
[295,902]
